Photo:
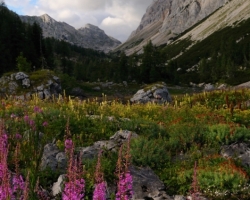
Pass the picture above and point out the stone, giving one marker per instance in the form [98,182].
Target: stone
[48,158]
[40,95]
[122,136]
[26,83]
[157,93]
[12,87]
[125,83]
[20,76]
[240,151]
[40,88]
[47,94]
[57,187]
[77,92]
[97,88]
[209,87]
[147,185]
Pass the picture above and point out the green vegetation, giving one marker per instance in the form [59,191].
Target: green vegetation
[171,138]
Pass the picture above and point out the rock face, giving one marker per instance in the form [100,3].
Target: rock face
[89,36]
[147,185]
[166,19]
[239,151]
[157,93]
[22,86]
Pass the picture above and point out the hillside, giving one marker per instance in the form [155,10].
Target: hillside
[166,19]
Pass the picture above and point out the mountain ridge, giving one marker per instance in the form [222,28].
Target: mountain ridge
[89,36]
[166,19]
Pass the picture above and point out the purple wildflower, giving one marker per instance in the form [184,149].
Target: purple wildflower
[100,191]
[37,109]
[100,184]
[18,185]
[68,144]
[45,124]
[74,190]
[26,118]
[18,136]
[125,186]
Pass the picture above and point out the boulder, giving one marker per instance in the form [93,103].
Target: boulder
[111,145]
[57,187]
[208,87]
[26,82]
[45,87]
[52,158]
[77,92]
[157,93]
[239,151]
[147,185]
[20,76]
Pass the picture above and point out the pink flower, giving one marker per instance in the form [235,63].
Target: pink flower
[68,144]
[18,136]
[37,109]
[100,191]
[45,124]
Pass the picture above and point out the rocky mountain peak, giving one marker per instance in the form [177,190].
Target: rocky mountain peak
[166,19]
[90,36]
[47,19]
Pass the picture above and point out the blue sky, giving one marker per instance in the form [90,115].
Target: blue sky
[118,18]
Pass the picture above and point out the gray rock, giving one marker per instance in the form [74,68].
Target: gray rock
[40,95]
[125,83]
[57,79]
[26,82]
[12,87]
[40,88]
[122,136]
[179,197]
[77,92]
[52,158]
[57,187]
[61,160]
[157,93]
[209,87]
[47,94]
[49,157]
[97,88]
[147,185]
[240,151]
[20,76]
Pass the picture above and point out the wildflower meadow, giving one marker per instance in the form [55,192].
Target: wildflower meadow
[180,141]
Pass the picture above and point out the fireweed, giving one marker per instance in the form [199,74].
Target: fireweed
[125,180]
[11,187]
[100,184]
[74,188]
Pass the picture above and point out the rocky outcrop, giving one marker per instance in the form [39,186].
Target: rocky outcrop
[157,93]
[166,19]
[239,151]
[21,86]
[89,36]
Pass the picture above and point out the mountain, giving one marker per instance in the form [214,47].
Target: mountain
[89,36]
[166,19]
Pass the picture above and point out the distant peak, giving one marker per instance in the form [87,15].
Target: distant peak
[91,26]
[47,18]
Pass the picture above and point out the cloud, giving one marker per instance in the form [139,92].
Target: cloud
[118,18]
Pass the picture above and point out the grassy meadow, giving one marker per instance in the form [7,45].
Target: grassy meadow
[172,138]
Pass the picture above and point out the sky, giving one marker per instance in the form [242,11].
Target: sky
[118,18]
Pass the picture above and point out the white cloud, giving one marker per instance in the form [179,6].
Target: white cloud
[118,18]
